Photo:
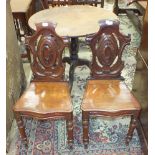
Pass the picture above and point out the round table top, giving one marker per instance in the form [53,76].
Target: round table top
[74,20]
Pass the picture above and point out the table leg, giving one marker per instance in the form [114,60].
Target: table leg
[74,48]
[116,7]
[74,60]
[102,3]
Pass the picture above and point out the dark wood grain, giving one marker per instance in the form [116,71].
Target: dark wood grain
[106,95]
[107,47]
[48,96]
[47,57]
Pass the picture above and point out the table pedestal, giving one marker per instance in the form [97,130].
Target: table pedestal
[73,60]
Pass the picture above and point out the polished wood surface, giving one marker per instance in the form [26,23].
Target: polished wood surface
[49,96]
[107,50]
[64,18]
[45,97]
[105,94]
[108,95]
[47,62]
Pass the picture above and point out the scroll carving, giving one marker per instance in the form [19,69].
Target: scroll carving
[107,46]
[46,48]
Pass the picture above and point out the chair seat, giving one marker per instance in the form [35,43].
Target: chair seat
[109,96]
[20,5]
[45,97]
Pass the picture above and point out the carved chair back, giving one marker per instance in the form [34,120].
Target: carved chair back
[46,48]
[53,3]
[107,46]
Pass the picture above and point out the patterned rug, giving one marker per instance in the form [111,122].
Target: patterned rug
[106,135]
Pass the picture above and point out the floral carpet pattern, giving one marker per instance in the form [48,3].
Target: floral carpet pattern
[107,136]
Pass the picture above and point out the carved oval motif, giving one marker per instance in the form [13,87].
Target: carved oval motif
[107,50]
[47,51]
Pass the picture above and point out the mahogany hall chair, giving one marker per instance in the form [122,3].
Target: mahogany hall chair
[48,95]
[106,94]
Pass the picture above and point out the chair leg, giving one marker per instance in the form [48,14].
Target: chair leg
[132,126]
[21,128]
[70,130]
[85,123]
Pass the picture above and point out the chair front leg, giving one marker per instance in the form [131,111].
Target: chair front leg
[85,123]
[132,126]
[70,130]
[21,128]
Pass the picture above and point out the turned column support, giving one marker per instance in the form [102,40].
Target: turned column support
[133,124]
[85,123]
[69,125]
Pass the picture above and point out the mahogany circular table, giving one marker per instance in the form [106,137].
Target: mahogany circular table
[73,21]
